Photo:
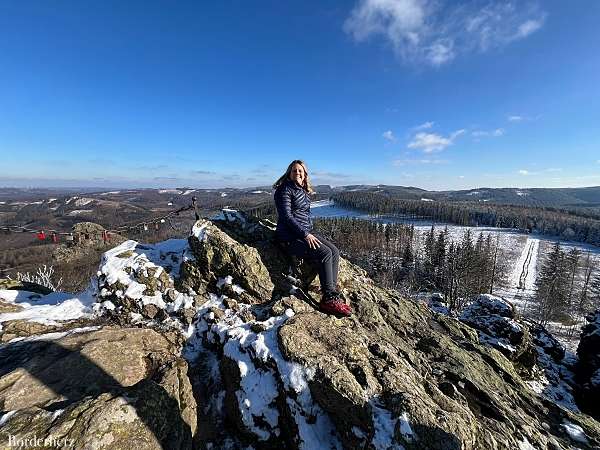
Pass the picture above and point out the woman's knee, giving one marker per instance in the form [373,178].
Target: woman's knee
[324,252]
[334,251]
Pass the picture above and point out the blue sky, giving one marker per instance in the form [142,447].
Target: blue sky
[434,94]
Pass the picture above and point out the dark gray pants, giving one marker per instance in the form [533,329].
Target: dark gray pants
[326,257]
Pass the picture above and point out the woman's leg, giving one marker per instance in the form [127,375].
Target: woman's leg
[335,258]
[324,258]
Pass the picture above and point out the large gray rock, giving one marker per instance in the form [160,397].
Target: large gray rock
[496,322]
[97,389]
[243,248]
[588,367]
[394,374]
[7,283]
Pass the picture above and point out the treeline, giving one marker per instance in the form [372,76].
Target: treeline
[547,221]
[568,285]
[463,269]
[396,256]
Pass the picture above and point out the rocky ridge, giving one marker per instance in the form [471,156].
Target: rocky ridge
[215,345]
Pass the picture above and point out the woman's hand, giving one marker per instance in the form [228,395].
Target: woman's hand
[313,242]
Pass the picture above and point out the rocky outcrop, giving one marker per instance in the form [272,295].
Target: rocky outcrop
[495,320]
[100,388]
[18,285]
[588,367]
[87,238]
[394,375]
[137,281]
[267,370]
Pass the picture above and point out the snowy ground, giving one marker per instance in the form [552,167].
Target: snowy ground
[524,254]
[48,309]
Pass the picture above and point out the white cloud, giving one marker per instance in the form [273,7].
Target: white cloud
[457,133]
[494,133]
[523,172]
[437,31]
[389,135]
[425,126]
[515,118]
[461,177]
[407,162]
[528,27]
[431,142]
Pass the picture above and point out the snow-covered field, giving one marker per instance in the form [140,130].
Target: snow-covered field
[523,253]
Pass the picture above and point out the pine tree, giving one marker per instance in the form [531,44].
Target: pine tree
[586,293]
[439,257]
[572,263]
[428,257]
[595,290]
[552,286]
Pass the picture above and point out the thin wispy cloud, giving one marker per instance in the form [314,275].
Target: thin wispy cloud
[409,162]
[436,32]
[515,118]
[389,136]
[424,126]
[526,28]
[493,133]
[524,172]
[324,173]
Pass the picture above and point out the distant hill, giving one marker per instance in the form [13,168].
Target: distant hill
[43,205]
[540,197]
[559,197]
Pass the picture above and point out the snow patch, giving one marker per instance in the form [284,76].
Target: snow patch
[78,212]
[525,444]
[575,432]
[49,309]
[5,417]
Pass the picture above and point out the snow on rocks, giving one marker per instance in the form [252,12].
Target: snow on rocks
[139,278]
[437,303]
[246,355]
[536,354]
[493,317]
[575,432]
[51,309]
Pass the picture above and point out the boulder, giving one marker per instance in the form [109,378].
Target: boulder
[100,388]
[239,253]
[137,281]
[7,283]
[588,366]
[496,322]
[87,239]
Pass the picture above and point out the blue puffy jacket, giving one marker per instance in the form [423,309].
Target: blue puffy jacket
[293,211]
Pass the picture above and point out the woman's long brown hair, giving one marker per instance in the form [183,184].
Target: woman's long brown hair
[306,185]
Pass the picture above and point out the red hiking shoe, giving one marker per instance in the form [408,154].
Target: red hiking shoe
[332,304]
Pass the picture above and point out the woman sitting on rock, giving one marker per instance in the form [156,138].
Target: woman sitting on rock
[294,231]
